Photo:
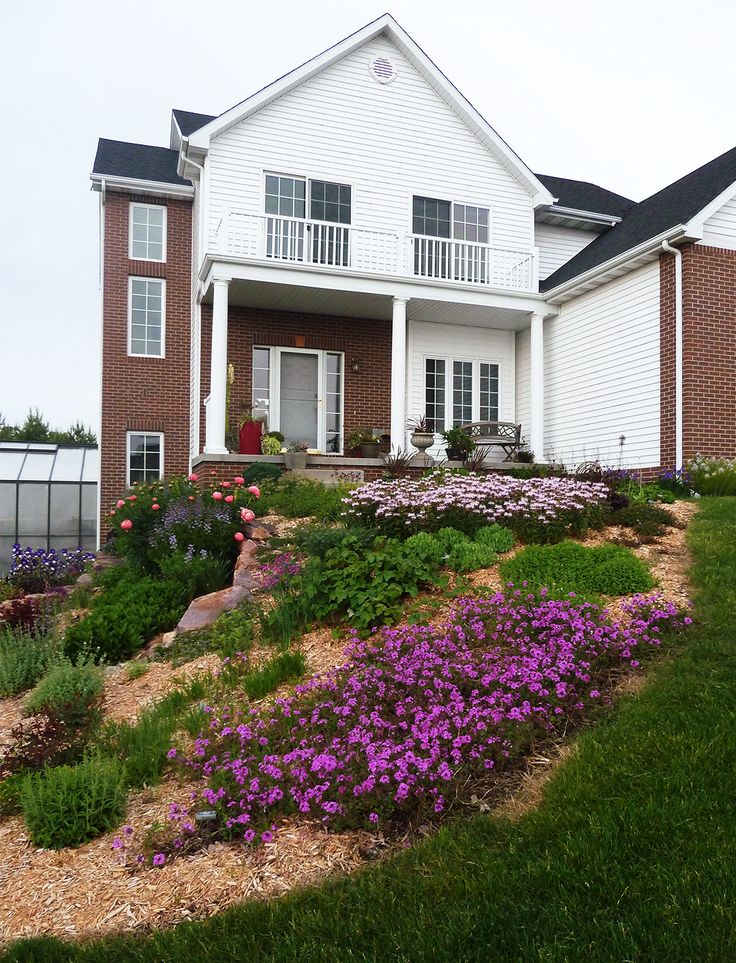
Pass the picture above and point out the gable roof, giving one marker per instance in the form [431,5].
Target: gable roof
[674,205]
[142,162]
[387,26]
[188,121]
[584,196]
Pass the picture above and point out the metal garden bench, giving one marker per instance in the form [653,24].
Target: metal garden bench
[498,434]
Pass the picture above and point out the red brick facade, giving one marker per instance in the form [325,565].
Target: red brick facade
[367,392]
[709,352]
[144,394]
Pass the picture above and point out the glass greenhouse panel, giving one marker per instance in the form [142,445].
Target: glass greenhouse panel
[65,512]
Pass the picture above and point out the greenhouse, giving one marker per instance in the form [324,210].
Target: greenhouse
[48,497]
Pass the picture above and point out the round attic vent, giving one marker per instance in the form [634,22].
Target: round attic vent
[383,70]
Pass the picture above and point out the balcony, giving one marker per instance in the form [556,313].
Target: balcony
[263,237]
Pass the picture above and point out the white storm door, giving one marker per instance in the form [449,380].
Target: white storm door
[299,375]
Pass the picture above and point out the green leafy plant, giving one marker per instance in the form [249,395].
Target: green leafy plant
[570,567]
[232,632]
[24,657]
[648,521]
[69,805]
[270,445]
[296,497]
[261,471]
[458,440]
[70,692]
[136,670]
[197,575]
[281,668]
[712,476]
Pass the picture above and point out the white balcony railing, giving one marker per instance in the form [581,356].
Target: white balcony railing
[340,246]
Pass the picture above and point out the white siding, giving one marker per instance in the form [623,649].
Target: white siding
[523,380]
[388,141]
[720,229]
[557,245]
[602,374]
[459,343]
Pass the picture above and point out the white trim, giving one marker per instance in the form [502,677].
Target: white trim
[160,435]
[135,186]
[579,215]
[420,61]
[162,282]
[164,230]
[696,224]
[274,379]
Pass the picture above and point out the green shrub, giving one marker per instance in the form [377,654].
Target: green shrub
[69,805]
[197,575]
[317,540]
[135,670]
[260,472]
[712,476]
[296,497]
[282,667]
[141,746]
[131,610]
[24,657]
[231,633]
[69,692]
[649,521]
[10,787]
[571,567]
[497,537]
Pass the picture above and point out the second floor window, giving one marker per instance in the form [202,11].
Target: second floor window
[316,232]
[432,217]
[146,312]
[147,232]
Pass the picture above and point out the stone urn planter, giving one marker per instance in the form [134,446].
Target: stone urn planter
[422,440]
[295,459]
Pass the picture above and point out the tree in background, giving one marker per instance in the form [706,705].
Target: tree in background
[35,428]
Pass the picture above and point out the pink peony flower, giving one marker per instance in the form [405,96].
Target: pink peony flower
[247,515]
[121,502]
[126,524]
[255,490]
[193,477]
[239,480]
[229,498]
[191,498]
[226,485]
[217,496]
[132,498]
[239,537]
[155,507]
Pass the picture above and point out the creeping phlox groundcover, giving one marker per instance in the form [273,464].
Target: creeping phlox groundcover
[541,508]
[415,711]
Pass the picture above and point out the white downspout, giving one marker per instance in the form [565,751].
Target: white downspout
[666,246]
[197,322]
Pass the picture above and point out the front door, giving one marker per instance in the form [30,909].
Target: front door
[299,397]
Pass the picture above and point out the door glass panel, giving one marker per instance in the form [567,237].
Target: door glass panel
[434,393]
[462,392]
[488,391]
[298,397]
[333,408]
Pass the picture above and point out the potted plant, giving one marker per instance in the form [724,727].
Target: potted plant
[271,443]
[459,443]
[524,454]
[296,455]
[369,445]
[422,436]
[249,432]
[352,444]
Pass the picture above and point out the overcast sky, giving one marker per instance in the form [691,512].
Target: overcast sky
[629,95]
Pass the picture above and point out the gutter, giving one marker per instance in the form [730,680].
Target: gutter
[666,246]
[134,186]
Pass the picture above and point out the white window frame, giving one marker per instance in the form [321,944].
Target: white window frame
[308,178]
[162,282]
[162,207]
[465,202]
[274,417]
[142,431]
[449,373]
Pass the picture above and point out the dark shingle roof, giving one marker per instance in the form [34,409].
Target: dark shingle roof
[673,205]
[116,158]
[189,122]
[582,196]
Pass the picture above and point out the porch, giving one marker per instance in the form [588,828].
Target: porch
[315,362]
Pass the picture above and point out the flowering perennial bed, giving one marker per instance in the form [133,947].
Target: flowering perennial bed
[415,711]
[538,509]
[35,570]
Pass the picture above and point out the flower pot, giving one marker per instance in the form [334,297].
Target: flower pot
[369,449]
[422,440]
[250,438]
[295,459]
[455,454]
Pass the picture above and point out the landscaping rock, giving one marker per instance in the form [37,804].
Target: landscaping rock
[247,557]
[204,610]
[259,533]
[85,579]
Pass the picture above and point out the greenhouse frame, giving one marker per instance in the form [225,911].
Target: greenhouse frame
[48,497]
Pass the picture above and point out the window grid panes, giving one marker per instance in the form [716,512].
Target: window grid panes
[333,408]
[329,202]
[147,232]
[470,223]
[431,217]
[434,393]
[488,391]
[146,316]
[144,457]
[262,381]
[285,196]
[462,392]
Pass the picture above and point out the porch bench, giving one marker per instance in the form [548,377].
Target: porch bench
[499,434]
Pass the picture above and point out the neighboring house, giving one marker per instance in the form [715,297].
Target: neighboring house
[362,247]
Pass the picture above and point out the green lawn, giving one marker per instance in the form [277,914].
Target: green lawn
[631,856]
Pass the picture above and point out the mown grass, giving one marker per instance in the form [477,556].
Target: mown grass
[631,855]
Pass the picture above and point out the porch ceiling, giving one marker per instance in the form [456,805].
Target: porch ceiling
[379,307]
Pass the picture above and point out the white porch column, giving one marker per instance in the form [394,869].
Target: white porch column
[536,379]
[215,418]
[398,375]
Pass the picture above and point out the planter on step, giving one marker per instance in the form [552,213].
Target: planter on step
[250,438]
[369,449]
[295,459]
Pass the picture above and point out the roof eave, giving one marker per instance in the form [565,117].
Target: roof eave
[133,185]
[587,217]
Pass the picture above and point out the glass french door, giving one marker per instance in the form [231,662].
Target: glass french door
[305,388]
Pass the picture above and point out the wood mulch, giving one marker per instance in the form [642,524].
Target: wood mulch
[87,892]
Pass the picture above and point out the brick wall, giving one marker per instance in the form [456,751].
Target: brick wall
[709,349]
[667,360]
[367,393]
[144,394]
